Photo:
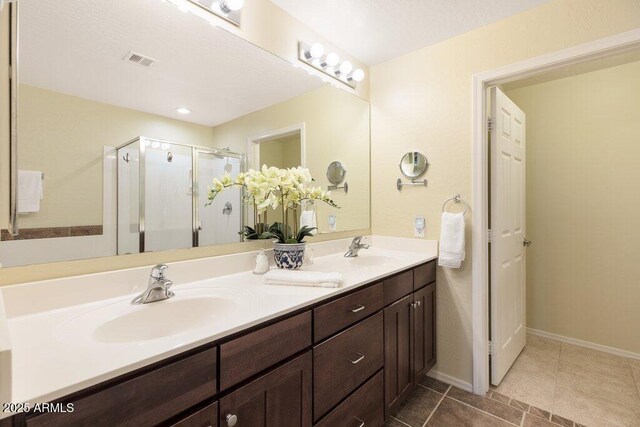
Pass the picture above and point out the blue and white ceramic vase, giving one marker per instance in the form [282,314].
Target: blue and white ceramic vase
[289,256]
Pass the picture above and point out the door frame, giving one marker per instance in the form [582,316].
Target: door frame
[480,177]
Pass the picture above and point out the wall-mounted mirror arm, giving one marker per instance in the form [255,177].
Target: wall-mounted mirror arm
[414,182]
[344,187]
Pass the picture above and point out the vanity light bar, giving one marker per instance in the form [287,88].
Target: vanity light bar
[329,64]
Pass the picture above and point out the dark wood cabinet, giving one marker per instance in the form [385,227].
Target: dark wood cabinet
[398,353]
[363,408]
[280,398]
[145,400]
[205,417]
[410,338]
[336,315]
[345,361]
[250,354]
[425,330]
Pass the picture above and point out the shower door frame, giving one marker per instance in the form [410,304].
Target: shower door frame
[195,209]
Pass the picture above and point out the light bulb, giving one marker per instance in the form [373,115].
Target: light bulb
[155,145]
[346,67]
[357,75]
[316,50]
[164,146]
[332,59]
[183,110]
[231,5]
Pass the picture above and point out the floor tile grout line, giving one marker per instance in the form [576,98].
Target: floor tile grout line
[437,406]
[524,414]
[400,421]
[555,383]
[480,410]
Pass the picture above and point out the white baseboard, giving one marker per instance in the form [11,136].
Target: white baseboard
[581,343]
[451,380]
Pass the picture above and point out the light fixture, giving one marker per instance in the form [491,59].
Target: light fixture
[356,76]
[228,6]
[229,10]
[313,55]
[344,69]
[183,110]
[331,60]
[316,51]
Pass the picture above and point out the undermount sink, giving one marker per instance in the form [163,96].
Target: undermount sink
[122,322]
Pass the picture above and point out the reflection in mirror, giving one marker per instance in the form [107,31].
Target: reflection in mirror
[129,124]
[413,164]
[336,172]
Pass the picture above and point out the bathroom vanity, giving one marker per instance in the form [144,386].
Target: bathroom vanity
[348,356]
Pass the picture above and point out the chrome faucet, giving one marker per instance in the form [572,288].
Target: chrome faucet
[355,247]
[157,288]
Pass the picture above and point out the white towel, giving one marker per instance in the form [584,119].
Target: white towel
[303,278]
[451,252]
[308,218]
[29,191]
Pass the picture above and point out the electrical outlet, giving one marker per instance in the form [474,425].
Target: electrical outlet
[419,226]
[332,222]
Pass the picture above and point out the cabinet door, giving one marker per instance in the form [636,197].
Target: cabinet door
[398,352]
[425,330]
[280,398]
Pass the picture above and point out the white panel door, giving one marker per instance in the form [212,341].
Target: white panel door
[508,328]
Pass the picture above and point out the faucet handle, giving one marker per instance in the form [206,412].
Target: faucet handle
[159,272]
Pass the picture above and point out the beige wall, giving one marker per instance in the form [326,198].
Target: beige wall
[64,136]
[583,205]
[422,101]
[4,118]
[336,128]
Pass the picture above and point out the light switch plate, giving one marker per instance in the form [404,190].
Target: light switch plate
[419,226]
[332,222]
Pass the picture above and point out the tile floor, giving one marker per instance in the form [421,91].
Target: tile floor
[550,384]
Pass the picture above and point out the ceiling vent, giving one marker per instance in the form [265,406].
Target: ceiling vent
[140,59]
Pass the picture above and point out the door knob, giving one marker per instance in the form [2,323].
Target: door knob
[231,420]
[526,243]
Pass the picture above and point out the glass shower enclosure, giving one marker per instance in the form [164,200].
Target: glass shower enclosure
[162,196]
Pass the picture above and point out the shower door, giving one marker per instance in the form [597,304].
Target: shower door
[168,187]
[220,221]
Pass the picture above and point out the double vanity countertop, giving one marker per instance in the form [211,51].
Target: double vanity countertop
[68,334]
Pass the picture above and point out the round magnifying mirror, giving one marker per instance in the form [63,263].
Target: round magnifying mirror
[336,172]
[413,164]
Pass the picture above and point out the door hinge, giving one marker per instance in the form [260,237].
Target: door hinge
[489,236]
[490,347]
[489,124]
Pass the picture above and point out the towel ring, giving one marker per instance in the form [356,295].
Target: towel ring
[456,199]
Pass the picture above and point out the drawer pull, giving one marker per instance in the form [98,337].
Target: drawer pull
[357,308]
[231,420]
[360,421]
[358,360]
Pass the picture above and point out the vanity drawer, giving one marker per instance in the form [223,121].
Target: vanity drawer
[398,286]
[257,351]
[423,275]
[364,407]
[146,400]
[345,361]
[205,417]
[336,315]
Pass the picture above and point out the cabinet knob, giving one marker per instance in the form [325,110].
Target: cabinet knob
[231,420]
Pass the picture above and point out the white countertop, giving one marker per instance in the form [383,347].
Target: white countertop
[52,350]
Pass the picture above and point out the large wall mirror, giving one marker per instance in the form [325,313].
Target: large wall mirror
[127,110]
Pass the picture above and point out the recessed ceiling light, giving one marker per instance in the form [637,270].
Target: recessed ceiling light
[183,110]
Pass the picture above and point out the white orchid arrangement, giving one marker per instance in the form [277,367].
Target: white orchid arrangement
[274,188]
